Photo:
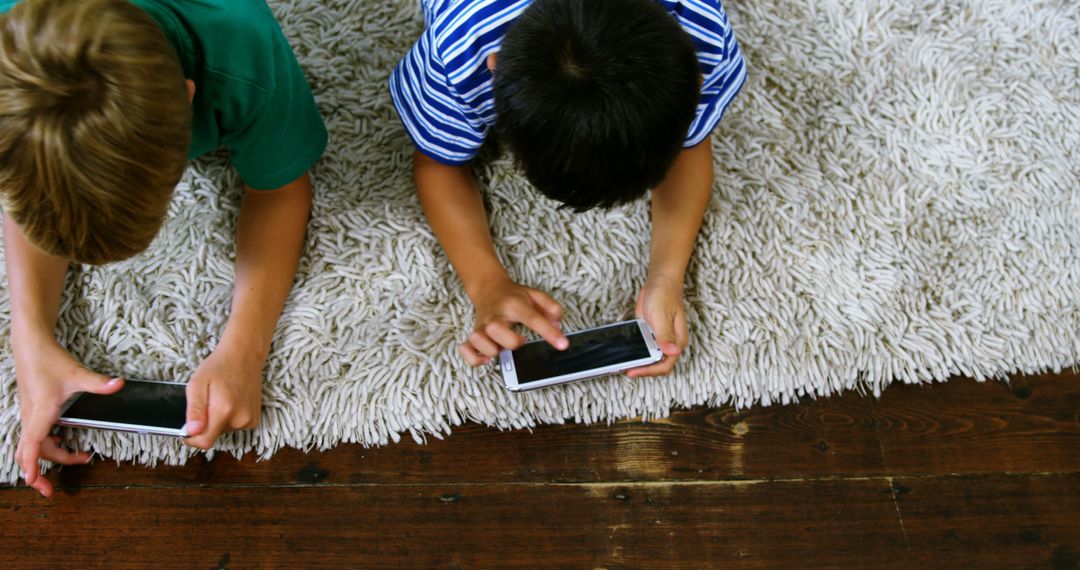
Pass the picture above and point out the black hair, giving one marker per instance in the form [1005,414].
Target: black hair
[595,97]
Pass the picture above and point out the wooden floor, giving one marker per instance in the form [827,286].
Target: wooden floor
[947,476]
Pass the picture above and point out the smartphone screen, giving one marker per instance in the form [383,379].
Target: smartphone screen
[588,350]
[154,404]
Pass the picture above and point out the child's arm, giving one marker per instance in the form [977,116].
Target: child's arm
[225,393]
[678,206]
[46,374]
[456,213]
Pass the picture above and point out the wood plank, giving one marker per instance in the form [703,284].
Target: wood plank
[825,523]
[829,436]
[958,427]
[1031,425]
[995,521]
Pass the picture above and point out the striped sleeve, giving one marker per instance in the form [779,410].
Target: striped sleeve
[722,65]
[429,108]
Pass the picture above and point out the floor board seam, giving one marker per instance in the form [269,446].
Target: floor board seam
[889,478]
[899,517]
[885,464]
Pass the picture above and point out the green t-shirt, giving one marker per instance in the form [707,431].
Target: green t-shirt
[250,93]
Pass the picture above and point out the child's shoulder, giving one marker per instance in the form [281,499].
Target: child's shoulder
[231,13]
[238,38]
[463,32]
[460,19]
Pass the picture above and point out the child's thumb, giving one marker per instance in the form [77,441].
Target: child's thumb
[669,347]
[86,381]
[665,339]
[196,408]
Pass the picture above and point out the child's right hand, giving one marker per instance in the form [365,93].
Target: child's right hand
[502,304]
[47,376]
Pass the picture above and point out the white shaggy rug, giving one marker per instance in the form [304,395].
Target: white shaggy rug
[896,199]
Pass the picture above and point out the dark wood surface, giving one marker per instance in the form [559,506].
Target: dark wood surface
[961,474]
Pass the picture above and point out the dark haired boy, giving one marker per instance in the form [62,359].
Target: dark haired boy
[599,100]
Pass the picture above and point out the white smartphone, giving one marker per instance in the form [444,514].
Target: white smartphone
[593,352]
[157,408]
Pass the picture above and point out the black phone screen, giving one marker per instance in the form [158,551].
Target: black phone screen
[156,404]
[588,350]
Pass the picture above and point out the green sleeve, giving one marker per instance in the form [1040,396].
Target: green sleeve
[285,135]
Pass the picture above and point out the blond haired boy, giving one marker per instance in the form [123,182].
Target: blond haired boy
[102,102]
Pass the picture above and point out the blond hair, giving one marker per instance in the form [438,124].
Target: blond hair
[94,126]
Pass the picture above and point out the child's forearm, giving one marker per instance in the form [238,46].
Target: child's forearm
[35,282]
[678,206]
[269,239]
[456,213]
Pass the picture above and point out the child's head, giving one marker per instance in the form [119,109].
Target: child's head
[595,97]
[94,126]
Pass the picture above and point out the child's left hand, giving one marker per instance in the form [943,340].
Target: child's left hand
[661,305]
[225,393]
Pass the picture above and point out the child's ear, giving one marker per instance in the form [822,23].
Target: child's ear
[491,61]
[190,90]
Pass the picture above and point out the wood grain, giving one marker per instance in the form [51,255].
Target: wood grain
[1031,425]
[984,521]
[831,436]
[962,474]
[637,525]
[992,521]
[958,427]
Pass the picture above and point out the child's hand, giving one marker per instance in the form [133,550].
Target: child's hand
[661,305]
[499,306]
[47,376]
[225,393]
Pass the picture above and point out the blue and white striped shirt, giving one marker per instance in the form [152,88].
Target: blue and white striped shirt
[443,89]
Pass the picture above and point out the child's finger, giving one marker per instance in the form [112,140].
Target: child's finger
[206,439]
[52,451]
[29,452]
[484,345]
[55,442]
[547,305]
[543,327]
[34,433]
[470,355]
[42,485]
[500,332]
[662,368]
[682,331]
[198,394]
[665,336]
[87,381]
